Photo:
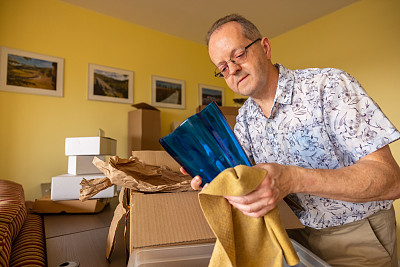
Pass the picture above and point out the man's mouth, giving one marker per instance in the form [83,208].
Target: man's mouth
[244,77]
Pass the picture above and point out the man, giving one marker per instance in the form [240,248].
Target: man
[323,142]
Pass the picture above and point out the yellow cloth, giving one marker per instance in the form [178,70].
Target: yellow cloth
[243,240]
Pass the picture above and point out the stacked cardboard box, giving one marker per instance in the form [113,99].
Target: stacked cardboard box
[144,128]
[80,152]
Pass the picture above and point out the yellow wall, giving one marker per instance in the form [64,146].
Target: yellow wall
[364,40]
[34,128]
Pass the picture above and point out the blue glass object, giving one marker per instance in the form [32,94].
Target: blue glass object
[205,145]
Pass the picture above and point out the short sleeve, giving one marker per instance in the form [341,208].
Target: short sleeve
[354,121]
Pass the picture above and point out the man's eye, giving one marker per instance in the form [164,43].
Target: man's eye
[239,55]
[223,68]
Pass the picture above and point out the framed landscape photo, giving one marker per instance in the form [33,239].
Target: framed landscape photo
[167,92]
[208,94]
[110,84]
[30,73]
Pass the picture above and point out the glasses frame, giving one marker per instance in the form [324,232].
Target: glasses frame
[218,73]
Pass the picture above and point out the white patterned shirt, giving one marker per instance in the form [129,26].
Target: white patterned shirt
[321,118]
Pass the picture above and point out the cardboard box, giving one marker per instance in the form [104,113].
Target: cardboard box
[175,125]
[84,146]
[82,165]
[230,113]
[170,219]
[46,205]
[67,186]
[144,128]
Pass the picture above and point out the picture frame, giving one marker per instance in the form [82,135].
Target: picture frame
[168,92]
[31,73]
[209,93]
[110,84]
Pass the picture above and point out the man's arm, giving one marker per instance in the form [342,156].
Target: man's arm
[374,177]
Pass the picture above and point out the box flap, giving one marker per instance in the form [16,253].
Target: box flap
[46,205]
[288,218]
[226,110]
[143,105]
[157,158]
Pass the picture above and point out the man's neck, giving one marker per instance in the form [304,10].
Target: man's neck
[267,97]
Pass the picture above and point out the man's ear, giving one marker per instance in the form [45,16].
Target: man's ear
[266,46]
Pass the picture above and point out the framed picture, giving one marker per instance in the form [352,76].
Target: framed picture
[208,94]
[31,73]
[110,84]
[167,92]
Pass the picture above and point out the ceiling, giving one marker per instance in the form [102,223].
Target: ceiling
[191,19]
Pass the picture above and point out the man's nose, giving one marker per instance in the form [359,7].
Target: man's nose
[233,67]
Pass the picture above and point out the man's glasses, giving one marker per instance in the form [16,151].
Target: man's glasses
[240,56]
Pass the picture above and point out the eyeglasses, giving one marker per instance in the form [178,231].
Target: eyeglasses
[240,56]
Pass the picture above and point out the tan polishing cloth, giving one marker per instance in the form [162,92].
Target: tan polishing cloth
[243,240]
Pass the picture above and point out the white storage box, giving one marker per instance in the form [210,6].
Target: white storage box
[199,255]
[82,165]
[83,146]
[67,186]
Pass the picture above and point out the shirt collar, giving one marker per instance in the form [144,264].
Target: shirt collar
[284,90]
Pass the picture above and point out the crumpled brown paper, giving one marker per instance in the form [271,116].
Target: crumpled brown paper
[135,175]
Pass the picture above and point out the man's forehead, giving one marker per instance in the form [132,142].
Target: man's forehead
[224,42]
[229,30]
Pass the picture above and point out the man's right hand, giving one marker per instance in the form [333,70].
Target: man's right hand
[196,181]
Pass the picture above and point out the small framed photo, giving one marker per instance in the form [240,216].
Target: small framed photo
[31,73]
[208,94]
[110,84]
[167,92]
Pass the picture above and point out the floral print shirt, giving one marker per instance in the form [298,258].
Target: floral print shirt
[321,118]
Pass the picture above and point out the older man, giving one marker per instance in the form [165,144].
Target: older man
[324,143]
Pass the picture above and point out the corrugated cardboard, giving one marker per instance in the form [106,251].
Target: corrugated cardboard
[82,165]
[230,113]
[46,205]
[175,125]
[84,146]
[157,158]
[165,219]
[67,186]
[144,128]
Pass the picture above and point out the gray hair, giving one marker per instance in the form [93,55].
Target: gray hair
[250,31]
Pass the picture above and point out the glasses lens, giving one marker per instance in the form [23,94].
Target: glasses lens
[221,70]
[239,57]
[218,74]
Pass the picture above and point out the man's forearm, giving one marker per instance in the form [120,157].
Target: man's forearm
[374,177]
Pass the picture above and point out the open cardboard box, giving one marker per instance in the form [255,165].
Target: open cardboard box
[167,219]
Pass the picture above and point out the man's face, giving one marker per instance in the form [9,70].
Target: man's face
[248,78]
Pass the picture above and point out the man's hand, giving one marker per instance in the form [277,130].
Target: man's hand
[275,186]
[196,181]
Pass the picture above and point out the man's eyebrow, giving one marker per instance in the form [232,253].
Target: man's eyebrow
[231,55]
